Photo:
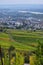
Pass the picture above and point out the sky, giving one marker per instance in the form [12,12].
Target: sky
[21,2]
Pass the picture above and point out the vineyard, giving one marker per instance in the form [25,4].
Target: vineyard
[18,47]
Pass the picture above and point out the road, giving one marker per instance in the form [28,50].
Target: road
[26,64]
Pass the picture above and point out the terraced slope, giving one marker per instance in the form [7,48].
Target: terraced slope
[21,40]
[27,37]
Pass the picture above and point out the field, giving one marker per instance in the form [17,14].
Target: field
[21,40]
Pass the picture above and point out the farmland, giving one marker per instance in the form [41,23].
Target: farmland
[23,41]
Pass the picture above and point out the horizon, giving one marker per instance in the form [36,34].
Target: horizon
[21,4]
[27,6]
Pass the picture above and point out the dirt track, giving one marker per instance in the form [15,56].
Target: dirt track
[26,64]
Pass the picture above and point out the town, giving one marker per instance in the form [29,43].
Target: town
[20,20]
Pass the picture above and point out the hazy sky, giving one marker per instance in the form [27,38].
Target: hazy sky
[21,1]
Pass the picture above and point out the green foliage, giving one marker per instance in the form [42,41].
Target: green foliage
[39,53]
[22,41]
[19,59]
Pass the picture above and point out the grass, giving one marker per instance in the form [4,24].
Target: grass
[21,40]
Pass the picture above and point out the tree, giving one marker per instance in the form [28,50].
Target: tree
[39,53]
[1,55]
[11,48]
